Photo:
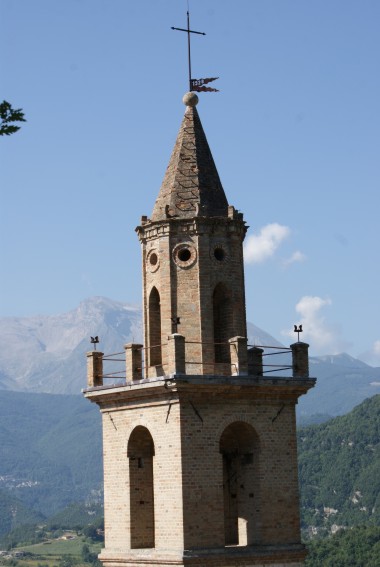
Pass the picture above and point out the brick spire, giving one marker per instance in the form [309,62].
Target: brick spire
[191,186]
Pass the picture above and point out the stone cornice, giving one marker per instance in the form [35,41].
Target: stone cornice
[177,387]
[194,226]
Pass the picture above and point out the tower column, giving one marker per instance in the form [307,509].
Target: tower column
[239,356]
[176,354]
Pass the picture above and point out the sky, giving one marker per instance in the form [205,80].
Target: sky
[294,132]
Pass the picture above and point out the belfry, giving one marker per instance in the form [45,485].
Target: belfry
[193,244]
[200,455]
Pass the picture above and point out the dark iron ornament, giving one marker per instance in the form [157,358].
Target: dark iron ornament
[298,330]
[94,341]
[197,85]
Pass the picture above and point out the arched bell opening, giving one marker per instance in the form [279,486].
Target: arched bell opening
[239,446]
[223,323]
[141,494]
[155,350]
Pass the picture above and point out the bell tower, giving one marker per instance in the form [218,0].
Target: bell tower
[193,276]
[200,454]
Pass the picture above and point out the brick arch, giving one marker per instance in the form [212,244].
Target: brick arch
[239,445]
[154,326]
[223,322]
[140,452]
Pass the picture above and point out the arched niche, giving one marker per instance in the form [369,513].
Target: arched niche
[154,306]
[140,453]
[239,447]
[223,323]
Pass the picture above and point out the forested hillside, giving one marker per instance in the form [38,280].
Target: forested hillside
[14,513]
[51,451]
[339,469]
[355,547]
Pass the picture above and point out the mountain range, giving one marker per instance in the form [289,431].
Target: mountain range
[46,354]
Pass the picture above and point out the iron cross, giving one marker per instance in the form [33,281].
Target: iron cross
[189,31]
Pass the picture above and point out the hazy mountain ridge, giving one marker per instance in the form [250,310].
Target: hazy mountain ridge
[51,451]
[342,383]
[47,354]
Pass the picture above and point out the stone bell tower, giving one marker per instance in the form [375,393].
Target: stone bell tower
[200,456]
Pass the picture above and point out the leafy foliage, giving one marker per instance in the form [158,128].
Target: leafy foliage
[339,469]
[80,516]
[357,547]
[8,115]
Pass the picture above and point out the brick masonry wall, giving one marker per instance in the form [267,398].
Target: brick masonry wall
[276,496]
[186,428]
[118,424]
[186,288]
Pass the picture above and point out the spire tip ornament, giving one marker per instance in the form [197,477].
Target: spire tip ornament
[190,99]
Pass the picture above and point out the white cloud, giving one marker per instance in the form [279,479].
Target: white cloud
[323,337]
[372,356]
[262,246]
[297,256]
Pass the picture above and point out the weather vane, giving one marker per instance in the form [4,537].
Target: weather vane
[94,341]
[298,330]
[195,84]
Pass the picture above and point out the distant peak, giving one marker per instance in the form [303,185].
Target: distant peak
[104,303]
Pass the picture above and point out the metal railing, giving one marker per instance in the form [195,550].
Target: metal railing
[262,367]
[178,358]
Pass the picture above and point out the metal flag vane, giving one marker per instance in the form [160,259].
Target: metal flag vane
[94,341]
[298,330]
[195,84]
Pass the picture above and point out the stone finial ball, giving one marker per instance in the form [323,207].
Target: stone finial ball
[190,99]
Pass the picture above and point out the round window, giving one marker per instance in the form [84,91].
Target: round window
[153,261]
[219,254]
[184,254]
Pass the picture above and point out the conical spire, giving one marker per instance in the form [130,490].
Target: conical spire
[191,186]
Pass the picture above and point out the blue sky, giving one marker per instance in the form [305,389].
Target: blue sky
[294,133]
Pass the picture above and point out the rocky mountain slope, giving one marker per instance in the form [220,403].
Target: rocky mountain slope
[47,353]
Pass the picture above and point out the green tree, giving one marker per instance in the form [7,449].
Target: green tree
[8,115]
[67,561]
[89,557]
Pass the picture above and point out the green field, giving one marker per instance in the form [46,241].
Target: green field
[52,553]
